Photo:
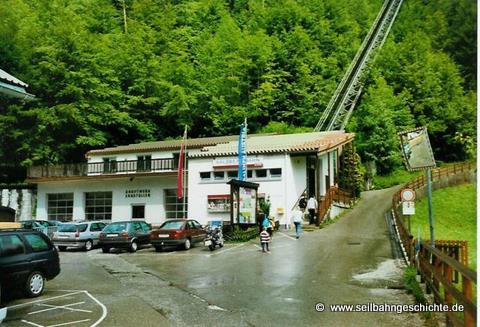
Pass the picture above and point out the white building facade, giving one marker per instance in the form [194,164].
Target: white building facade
[139,181]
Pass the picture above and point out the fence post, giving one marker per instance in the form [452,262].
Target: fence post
[468,319]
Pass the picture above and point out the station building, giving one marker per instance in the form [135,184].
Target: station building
[139,181]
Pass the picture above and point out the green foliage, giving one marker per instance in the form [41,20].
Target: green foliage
[350,173]
[210,63]
[455,217]
[396,177]
[265,206]
[412,286]
[415,81]
[239,235]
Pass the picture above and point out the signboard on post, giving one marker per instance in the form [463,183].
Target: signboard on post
[408,208]
[416,149]
[243,208]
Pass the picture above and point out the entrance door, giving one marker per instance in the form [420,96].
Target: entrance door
[311,180]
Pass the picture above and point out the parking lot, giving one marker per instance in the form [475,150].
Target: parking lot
[236,285]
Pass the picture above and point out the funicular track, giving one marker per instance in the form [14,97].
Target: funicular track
[341,105]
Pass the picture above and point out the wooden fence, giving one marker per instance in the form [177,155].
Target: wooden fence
[441,266]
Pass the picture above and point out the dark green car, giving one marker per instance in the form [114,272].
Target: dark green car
[128,235]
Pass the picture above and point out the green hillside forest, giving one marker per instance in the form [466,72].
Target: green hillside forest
[111,72]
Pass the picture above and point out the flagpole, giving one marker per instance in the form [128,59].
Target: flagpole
[246,165]
[183,173]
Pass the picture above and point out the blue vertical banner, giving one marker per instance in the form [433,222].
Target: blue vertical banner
[242,154]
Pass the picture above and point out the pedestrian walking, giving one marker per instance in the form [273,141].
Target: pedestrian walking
[302,203]
[297,216]
[265,240]
[312,206]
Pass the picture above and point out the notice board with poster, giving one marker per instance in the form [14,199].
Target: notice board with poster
[244,197]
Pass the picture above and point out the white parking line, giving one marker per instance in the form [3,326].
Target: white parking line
[288,236]
[54,307]
[32,323]
[71,292]
[70,323]
[226,250]
[44,300]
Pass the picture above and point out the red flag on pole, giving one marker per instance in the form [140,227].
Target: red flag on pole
[180,166]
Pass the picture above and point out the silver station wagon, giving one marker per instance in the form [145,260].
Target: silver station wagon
[82,235]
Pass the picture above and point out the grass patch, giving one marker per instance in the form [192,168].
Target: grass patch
[328,222]
[399,176]
[412,286]
[454,217]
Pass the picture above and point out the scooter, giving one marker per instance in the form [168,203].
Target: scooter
[214,238]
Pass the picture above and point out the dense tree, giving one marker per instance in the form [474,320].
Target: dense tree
[209,64]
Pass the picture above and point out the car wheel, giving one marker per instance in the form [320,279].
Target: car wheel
[133,246]
[62,248]
[105,250]
[211,247]
[88,245]
[188,244]
[221,245]
[158,248]
[35,284]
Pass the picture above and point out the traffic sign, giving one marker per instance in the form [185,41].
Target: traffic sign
[408,194]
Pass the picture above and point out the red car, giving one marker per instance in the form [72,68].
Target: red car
[177,232]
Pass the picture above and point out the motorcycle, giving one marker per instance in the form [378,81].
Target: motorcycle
[214,238]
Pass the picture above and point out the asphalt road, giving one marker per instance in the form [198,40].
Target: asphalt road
[348,262]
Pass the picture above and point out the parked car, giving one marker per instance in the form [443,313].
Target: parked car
[177,232]
[3,310]
[124,234]
[83,235]
[27,259]
[45,226]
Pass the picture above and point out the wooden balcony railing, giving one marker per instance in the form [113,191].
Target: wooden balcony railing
[103,168]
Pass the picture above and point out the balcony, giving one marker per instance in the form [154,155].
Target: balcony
[112,168]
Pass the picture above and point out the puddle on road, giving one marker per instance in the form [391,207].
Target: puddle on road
[388,273]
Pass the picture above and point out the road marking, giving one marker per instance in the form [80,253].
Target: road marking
[54,307]
[104,310]
[222,251]
[69,323]
[288,236]
[44,300]
[72,292]
[32,323]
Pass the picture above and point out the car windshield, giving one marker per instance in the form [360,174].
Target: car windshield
[72,228]
[172,225]
[114,228]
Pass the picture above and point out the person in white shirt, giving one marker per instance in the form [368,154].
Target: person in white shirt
[297,216]
[312,206]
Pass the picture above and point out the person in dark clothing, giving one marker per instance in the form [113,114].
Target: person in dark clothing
[302,203]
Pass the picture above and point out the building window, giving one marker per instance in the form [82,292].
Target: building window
[60,206]
[261,173]
[174,206]
[232,174]
[205,175]
[98,205]
[138,211]
[249,174]
[219,175]
[276,172]
[109,165]
[144,163]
